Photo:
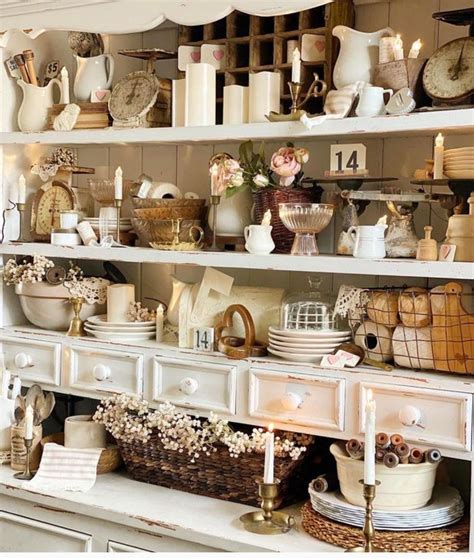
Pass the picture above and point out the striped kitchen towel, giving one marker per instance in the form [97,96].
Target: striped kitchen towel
[65,468]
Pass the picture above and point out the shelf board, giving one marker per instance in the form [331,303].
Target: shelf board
[457,121]
[323,263]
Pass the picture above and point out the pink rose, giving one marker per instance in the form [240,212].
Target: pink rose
[284,164]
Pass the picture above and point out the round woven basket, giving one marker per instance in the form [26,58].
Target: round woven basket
[171,212]
[167,202]
[448,539]
[269,199]
[110,458]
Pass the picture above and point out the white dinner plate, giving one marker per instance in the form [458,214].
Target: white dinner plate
[119,330]
[308,358]
[302,351]
[101,320]
[120,337]
[305,343]
[320,335]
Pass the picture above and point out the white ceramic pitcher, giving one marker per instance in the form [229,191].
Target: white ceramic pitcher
[358,55]
[369,242]
[92,74]
[33,112]
[7,406]
[258,239]
[372,102]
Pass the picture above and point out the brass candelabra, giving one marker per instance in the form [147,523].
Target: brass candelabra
[21,211]
[368,529]
[118,208]
[27,474]
[215,201]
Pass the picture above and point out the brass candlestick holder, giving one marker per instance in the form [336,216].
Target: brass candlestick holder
[27,474]
[21,211]
[76,328]
[267,521]
[118,208]
[215,201]
[368,529]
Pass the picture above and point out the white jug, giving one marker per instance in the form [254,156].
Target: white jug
[233,214]
[92,74]
[258,239]
[7,406]
[358,56]
[33,112]
[369,242]
[371,101]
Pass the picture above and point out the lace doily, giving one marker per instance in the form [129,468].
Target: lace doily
[351,302]
[50,165]
[93,290]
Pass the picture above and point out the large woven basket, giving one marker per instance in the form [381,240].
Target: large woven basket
[270,198]
[218,475]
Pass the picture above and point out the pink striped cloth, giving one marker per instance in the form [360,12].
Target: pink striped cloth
[65,468]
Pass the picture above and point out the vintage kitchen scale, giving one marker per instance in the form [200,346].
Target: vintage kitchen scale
[142,99]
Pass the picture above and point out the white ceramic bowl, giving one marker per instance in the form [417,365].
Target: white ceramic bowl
[47,306]
[402,488]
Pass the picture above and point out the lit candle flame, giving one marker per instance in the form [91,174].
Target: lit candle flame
[398,40]
[417,45]
[439,140]
[270,427]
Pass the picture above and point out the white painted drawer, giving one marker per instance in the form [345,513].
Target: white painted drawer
[104,370]
[33,360]
[195,384]
[306,400]
[444,416]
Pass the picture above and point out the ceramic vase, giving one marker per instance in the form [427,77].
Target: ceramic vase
[81,432]
[233,214]
[92,73]
[33,112]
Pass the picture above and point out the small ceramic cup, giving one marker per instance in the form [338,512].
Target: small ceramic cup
[68,219]
[81,432]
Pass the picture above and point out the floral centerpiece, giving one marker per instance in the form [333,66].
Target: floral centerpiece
[204,456]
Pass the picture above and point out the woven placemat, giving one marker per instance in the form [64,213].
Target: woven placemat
[449,539]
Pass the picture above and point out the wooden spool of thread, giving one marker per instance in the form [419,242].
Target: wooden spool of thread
[382,441]
[391,460]
[432,456]
[396,439]
[416,456]
[29,57]
[403,452]
[355,448]
[20,62]
[379,455]
[325,483]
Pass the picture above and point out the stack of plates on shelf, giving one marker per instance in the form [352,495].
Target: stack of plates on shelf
[127,332]
[459,163]
[125,223]
[304,345]
[445,508]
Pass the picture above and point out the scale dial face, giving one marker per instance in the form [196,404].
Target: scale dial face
[449,73]
[53,197]
[133,96]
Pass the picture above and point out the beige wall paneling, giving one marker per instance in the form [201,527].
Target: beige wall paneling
[163,37]
[449,32]
[373,16]
[124,64]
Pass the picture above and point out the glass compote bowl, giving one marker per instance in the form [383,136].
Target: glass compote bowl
[305,219]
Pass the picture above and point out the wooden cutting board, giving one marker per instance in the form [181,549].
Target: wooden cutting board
[453,330]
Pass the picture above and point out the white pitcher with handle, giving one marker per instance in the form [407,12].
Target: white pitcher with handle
[369,241]
[92,73]
[358,56]
[33,112]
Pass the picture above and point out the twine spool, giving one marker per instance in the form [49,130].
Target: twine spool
[376,340]
[18,456]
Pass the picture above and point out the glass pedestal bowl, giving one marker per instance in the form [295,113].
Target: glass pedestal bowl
[305,219]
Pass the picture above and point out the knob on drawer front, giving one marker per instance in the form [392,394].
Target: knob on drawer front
[101,372]
[291,401]
[409,415]
[23,360]
[188,386]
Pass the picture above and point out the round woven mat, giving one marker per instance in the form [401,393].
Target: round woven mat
[449,539]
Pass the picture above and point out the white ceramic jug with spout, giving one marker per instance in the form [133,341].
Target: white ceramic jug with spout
[358,56]
[372,102]
[33,112]
[92,74]
[369,242]
[258,239]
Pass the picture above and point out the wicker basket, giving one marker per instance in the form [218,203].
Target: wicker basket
[171,213]
[269,199]
[218,475]
[167,202]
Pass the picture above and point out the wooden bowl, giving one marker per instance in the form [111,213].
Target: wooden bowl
[159,231]
[171,212]
[166,202]
[110,458]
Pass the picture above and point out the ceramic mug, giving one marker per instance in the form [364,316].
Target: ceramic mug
[258,239]
[369,242]
[81,432]
[371,101]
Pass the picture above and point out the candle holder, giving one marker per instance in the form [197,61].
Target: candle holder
[76,328]
[267,521]
[27,474]
[21,211]
[368,529]
[215,201]
[118,208]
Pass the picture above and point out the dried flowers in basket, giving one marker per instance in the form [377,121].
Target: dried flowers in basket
[202,456]
[34,269]
[61,157]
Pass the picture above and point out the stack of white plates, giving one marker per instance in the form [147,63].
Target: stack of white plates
[99,327]
[125,223]
[459,163]
[304,345]
[445,508]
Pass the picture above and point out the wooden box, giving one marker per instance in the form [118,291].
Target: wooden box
[92,115]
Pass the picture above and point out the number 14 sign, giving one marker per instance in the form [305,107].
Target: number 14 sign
[348,159]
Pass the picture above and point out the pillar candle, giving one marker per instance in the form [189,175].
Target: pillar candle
[200,105]
[22,189]
[118,184]
[236,104]
[296,66]
[119,298]
[64,86]
[386,49]
[178,102]
[438,157]
[29,422]
[398,48]
[264,95]
[369,447]
[269,456]
[160,319]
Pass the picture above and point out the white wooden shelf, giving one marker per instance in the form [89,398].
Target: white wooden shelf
[458,121]
[322,263]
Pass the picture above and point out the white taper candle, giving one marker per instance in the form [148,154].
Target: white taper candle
[438,157]
[369,447]
[296,66]
[269,456]
[22,189]
[118,183]
[29,423]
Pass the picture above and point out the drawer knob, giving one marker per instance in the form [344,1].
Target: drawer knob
[23,360]
[291,401]
[101,372]
[409,415]
[188,386]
